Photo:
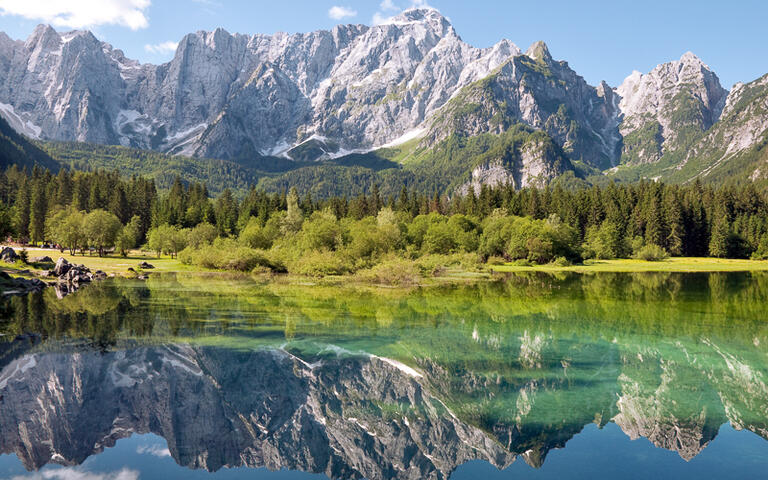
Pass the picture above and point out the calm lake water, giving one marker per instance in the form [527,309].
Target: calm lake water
[532,376]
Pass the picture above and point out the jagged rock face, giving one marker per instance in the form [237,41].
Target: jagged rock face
[255,409]
[667,108]
[540,92]
[362,86]
[64,84]
[655,412]
[272,102]
[356,88]
[743,126]
[534,165]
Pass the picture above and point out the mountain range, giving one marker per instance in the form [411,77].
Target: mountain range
[407,101]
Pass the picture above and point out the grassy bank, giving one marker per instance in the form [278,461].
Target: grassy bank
[675,264]
[117,265]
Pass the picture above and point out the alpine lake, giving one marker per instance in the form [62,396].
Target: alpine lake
[531,375]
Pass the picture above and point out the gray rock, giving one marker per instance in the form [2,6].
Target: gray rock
[45,259]
[62,267]
[8,255]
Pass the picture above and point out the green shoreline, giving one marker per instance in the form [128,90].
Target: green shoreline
[673,264]
[118,266]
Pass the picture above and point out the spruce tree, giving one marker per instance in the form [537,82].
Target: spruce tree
[718,240]
[37,211]
[654,222]
[21,211]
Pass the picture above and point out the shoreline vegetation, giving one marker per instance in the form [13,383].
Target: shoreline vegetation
[409,239]
[128,267]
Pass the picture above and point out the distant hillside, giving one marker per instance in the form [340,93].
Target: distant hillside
[163,168]
[15,149]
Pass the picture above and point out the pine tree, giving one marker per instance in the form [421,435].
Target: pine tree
[37,211]
[402,200]
[118,205]
[534,209]
[375,201]
[226,213]
[470,202]
[721,230]
[21,211]
[654,222]
[674,222]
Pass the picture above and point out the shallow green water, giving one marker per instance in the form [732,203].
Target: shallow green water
[532,375]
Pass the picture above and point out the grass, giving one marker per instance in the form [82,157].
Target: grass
[117,265]
[676,264]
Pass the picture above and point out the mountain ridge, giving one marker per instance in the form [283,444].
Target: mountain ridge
[355,89]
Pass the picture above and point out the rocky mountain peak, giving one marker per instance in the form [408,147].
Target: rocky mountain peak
[676,100]
[688,71]
[425,15]
[43,37]
[539,51]
[689,56]
[356,87]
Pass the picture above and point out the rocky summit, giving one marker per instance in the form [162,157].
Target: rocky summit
[354,89]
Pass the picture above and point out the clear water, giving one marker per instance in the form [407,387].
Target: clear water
[532,376]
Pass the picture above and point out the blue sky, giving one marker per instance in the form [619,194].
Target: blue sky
[600,39]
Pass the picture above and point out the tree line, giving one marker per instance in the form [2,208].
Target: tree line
[102,211]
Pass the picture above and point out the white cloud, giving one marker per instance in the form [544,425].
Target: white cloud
[156,450]
[80,13]
[161,48]
[78,474]
[388,5]
[337,13]
[379,18]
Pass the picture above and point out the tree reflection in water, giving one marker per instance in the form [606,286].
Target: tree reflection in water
[364,382]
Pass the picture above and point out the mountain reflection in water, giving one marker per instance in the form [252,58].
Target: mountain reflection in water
[365,383]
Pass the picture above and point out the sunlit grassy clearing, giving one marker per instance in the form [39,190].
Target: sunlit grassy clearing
[110,264]
[676,264]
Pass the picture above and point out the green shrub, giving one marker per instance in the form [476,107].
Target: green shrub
[561,262]
[320,263]
[226,254]
[652,253]
[435,265]
[762,249]
[243,259]
[605,242]
[261,270]
[392,271]
[24,256]
[496,260]
[203,234]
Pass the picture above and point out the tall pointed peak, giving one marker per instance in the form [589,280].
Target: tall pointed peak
[690,57]
[42,34]
[420,14]
[539,51]
[423,15]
